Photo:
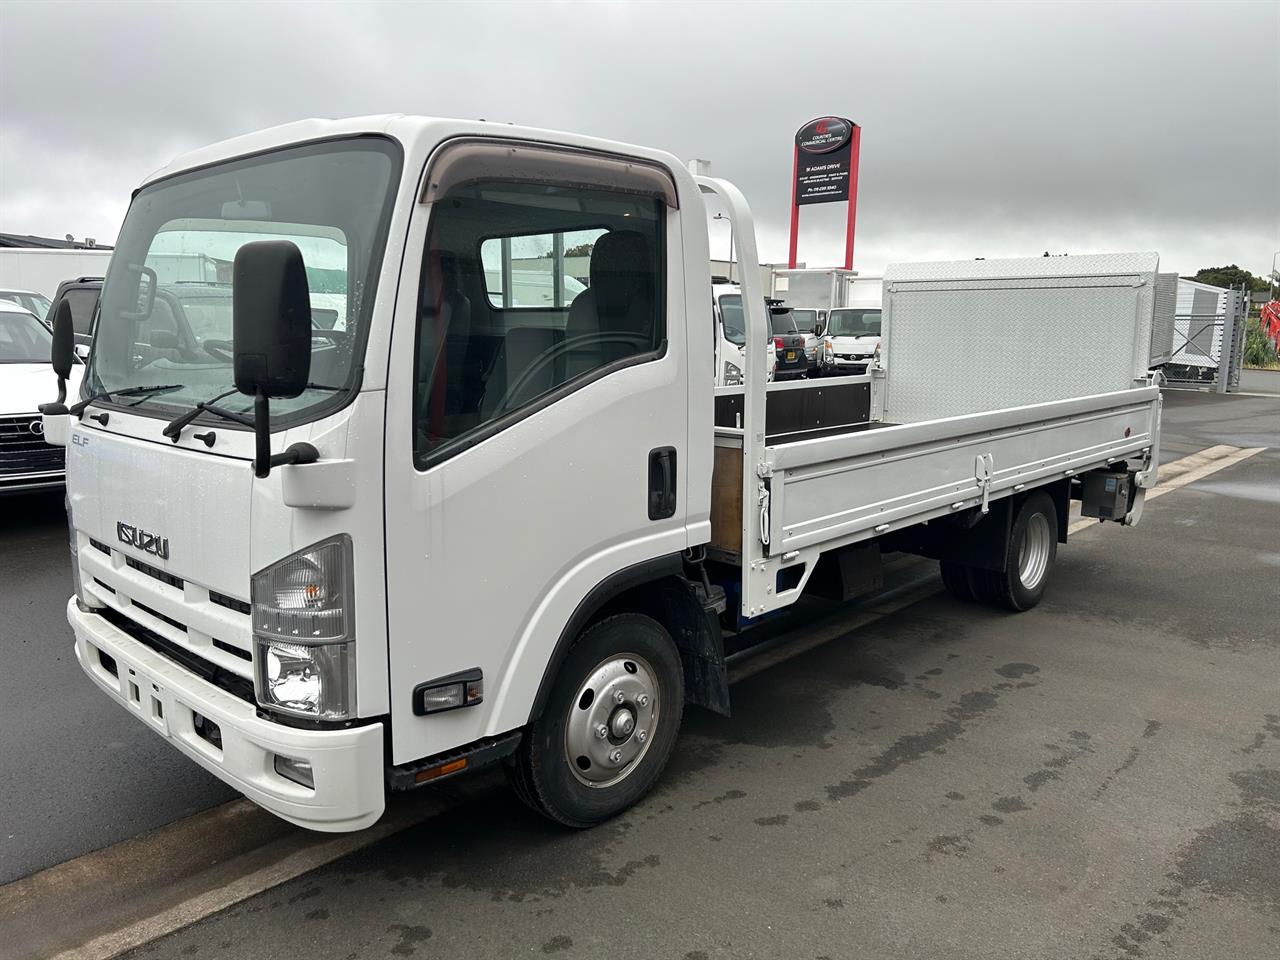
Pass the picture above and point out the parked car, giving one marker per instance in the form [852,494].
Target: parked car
[788,342]
[27,380]
[852,339]
[82,294]
[37,303]
[810,323]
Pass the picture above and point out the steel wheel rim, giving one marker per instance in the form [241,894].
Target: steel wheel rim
[619,697]
[1033,553]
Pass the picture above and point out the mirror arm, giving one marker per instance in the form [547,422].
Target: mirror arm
[300,452]
[262,435]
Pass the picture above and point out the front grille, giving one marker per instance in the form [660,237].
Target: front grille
[231,603]
[23,450]
[237,686]
[177,625]
[155,572]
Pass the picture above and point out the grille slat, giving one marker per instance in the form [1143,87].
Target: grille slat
[155,573]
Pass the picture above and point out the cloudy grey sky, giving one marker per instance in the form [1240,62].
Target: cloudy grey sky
[988,129]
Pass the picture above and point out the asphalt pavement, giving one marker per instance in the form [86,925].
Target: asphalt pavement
[929,760]
[1098,777]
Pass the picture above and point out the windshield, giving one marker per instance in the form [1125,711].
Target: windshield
[179,242]
[782,323]
[23,338]
[735,324]
[35,302]
[854,323]
[806,319]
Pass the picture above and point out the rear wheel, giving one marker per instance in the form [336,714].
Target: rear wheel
[1033,547]
[955,577]
[608,727]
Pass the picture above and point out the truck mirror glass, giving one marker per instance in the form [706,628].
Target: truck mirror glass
[271,319]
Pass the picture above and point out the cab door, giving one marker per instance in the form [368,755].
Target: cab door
[537,418]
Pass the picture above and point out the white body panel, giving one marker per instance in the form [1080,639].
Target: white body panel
[32,268]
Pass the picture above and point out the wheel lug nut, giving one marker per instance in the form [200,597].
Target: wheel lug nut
[618,696]
[642,735]
[643,700]
[602,731]
[616,756]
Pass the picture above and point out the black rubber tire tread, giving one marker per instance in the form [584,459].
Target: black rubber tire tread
[1010,592]
[985,585]
[955,577]
[538,771]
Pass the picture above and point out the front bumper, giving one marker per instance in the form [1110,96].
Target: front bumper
[346,764]
[843,365]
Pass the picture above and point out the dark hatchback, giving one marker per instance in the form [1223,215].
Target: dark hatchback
[788,343]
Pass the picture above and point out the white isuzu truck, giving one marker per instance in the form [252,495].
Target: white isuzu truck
[328,556]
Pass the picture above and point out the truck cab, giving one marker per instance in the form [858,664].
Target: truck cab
[851,341]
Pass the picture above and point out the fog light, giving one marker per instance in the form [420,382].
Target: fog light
[448,693]
[299,771]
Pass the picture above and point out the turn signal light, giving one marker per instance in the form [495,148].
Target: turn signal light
[432,773]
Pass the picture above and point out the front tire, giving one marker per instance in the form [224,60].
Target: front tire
[609,725]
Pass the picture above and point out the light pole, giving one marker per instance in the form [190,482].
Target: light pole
[1273,281]
[721,216]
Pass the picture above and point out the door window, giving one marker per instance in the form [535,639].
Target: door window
[530,290]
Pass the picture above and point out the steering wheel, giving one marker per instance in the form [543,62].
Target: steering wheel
[553,352]
[219,349]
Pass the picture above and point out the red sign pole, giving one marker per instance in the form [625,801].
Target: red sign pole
[795,210]
[854,150]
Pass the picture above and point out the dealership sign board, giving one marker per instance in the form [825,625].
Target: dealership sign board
[825,170]
[823,149]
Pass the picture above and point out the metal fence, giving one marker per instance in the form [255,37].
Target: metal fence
[1197,360]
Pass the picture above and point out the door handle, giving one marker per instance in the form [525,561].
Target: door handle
[662,483]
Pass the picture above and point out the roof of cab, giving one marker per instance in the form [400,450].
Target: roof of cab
[396,125]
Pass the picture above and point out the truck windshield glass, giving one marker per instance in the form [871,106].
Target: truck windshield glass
[179,242]
[735,324]
[854,323]
[23,338]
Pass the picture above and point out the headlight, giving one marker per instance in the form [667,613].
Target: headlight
[303,632]
[732,374]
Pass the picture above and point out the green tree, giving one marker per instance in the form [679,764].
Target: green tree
[1230,276]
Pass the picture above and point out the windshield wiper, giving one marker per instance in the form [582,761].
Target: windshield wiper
[174,430]
[76,409]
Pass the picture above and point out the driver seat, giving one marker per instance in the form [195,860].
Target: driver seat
[619,300]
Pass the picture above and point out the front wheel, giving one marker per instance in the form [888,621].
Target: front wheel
[609,725]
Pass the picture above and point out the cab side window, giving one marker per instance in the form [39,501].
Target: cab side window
[528,292]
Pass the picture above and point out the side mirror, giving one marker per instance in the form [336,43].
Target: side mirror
[271,331]
[63,352]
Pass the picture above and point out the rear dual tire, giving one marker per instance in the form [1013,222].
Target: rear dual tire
[1033,549]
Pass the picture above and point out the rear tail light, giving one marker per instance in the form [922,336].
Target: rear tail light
[777,343]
